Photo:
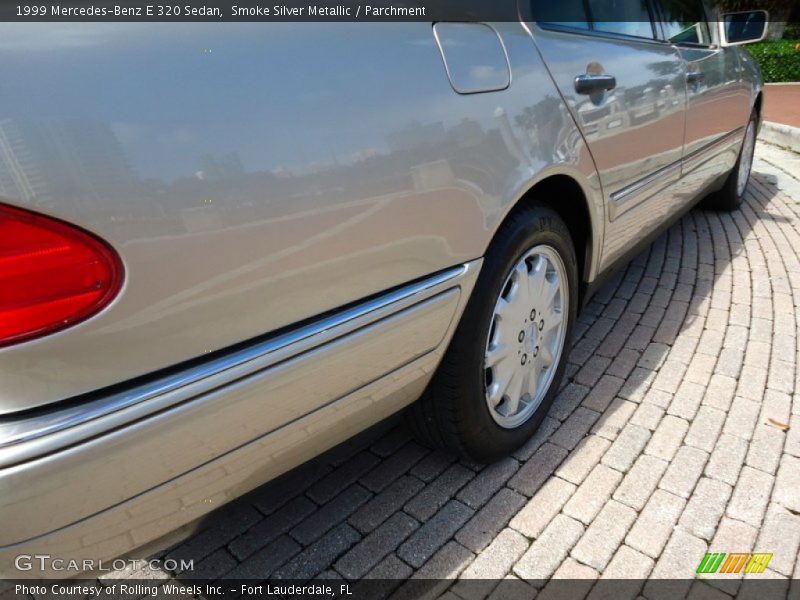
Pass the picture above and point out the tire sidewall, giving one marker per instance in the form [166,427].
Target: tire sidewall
[530,227]
[754,122]
[729,197]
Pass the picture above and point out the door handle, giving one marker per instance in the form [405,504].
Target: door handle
[591,84]
[695,77]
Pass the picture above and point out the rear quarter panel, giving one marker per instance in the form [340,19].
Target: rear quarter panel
[252,176]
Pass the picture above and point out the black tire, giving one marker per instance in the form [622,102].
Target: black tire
[453,411]
[730,196]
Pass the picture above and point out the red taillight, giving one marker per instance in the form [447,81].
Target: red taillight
[52,275]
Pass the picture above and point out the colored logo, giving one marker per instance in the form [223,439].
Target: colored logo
[734,562]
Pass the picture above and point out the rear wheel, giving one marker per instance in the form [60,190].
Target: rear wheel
[504,364]
[731,195]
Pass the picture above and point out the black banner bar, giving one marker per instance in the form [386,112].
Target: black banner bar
[397,589]
[290,10]
[265,11]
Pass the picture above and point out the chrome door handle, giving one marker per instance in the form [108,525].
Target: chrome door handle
[591,84]
[695,77]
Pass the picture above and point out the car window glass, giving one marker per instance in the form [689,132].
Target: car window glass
[685,22]
[566,13]
[627,17]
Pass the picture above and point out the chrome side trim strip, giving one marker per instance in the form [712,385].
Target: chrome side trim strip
[623,194]
[173,389]
[697,157]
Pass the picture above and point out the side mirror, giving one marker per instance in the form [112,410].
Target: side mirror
[742,27]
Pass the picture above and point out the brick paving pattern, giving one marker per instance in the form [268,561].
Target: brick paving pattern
[666,440]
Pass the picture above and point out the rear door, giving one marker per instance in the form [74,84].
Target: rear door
[717,105]
[626,90]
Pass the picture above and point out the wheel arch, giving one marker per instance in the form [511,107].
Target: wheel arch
[570,199]
[758,103]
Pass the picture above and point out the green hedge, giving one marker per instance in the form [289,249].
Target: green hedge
[792,31]
[779,59]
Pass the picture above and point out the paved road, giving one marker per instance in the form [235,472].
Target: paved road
[667,440]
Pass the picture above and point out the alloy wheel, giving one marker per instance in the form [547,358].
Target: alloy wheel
[526,337]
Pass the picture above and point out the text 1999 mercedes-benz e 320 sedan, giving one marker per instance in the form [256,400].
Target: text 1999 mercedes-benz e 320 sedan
[227,247]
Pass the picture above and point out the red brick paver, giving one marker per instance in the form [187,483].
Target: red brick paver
[667,447]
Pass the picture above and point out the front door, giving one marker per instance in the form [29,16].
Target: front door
[717,105]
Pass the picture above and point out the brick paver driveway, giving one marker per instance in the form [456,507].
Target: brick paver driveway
[677,431]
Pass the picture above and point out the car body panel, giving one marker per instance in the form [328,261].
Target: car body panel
[632,131]
[98,469]
[35,433]
[232,205]
[715,119]
[180,501]
[300,240]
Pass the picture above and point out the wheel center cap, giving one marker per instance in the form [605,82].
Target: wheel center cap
[532,338]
